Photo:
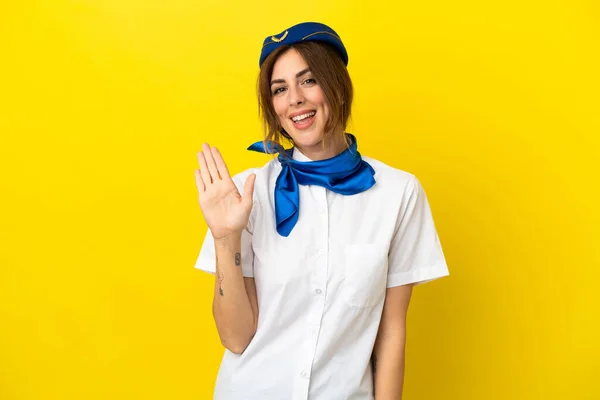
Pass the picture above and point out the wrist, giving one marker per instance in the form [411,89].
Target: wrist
[229,241]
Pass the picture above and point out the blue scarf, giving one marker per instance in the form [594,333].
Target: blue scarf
[345,174]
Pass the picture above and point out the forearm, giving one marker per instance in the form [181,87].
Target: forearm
[231,306]
[389,368]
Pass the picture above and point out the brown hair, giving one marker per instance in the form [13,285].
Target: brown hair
[332,76]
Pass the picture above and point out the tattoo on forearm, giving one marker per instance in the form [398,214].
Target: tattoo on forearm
[221,276]
[220,280]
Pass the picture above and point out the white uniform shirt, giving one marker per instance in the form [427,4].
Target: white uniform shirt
[321,290]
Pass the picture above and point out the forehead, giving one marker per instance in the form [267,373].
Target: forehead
[288,64]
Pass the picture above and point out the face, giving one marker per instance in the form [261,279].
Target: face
[299,102]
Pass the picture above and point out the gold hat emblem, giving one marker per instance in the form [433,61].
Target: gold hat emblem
[281,38]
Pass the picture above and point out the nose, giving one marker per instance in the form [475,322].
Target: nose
[296,97]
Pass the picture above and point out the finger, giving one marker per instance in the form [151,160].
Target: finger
[210,161]
[204,169]
[199,182]
[249,190]
[221,166]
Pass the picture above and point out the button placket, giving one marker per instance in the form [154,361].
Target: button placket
[318,279]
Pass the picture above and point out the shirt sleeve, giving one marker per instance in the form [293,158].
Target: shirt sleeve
[207,260]
[416,254]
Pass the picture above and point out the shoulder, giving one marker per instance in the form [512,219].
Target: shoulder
[390,179]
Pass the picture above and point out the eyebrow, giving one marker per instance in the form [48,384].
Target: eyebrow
[298,75]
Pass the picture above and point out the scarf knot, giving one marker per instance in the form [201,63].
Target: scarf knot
[346,174]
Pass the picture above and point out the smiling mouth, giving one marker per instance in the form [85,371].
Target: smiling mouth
[304,121]
[304,117]
[304,124]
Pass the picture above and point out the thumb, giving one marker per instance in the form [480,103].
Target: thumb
[249,190]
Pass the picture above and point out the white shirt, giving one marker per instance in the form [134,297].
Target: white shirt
[321,289]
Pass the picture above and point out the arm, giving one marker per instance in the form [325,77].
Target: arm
[235,306]
[227,213]
[388,352]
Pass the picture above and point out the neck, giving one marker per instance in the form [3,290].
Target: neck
[317,152]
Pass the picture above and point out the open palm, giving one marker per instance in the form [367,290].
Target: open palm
[226,212]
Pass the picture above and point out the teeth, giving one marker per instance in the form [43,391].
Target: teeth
[303,116]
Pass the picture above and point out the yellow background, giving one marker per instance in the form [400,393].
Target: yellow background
[104,104]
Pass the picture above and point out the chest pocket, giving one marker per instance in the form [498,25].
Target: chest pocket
[364,273]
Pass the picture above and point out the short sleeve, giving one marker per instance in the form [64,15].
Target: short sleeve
[207,260]
[416,254]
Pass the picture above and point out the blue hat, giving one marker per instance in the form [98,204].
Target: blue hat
[304,32]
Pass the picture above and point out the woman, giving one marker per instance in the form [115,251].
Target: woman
[316,253]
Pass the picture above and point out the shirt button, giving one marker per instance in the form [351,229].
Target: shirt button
[304,374]
[318,291]
[320,252]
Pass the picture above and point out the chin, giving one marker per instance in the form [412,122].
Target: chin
[305,138]
[307,141]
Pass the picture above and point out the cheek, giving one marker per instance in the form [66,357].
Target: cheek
[326,114]
[325,109]
[318,97]
[279,107]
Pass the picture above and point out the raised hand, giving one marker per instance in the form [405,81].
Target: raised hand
[226,212]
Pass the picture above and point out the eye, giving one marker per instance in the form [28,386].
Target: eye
[310,80]
[278,90]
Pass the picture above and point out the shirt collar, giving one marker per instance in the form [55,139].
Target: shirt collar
[298,156]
